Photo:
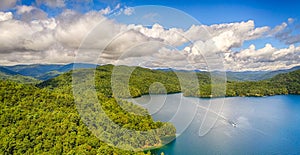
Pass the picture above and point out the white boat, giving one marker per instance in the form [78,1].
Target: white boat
[232,123]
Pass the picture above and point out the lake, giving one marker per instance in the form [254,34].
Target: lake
[265,125]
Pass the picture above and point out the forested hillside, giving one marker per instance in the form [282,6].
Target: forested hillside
[6,74]
[45,71]
[190,84]
[43,118]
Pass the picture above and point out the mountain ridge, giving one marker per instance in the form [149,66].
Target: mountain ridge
[47,71]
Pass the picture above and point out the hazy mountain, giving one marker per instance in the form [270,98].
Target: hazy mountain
[6,74]
[257,75]
[4,70]
[45,71]
[241,76]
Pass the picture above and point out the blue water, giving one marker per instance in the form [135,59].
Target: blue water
[265,125]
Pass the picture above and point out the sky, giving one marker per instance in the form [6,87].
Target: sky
[184,34]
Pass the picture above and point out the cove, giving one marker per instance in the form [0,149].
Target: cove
[264,125]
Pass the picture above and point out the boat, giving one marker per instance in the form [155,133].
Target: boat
[232,123]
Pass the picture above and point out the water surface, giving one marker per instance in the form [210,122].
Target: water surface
[265,125]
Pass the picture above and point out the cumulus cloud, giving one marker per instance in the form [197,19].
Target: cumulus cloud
[289,35]
[36,38]
[128,11]
[291,20]
[5,16]
[244,30]
[24,9]
[220,38]
[266,58]
[278,29]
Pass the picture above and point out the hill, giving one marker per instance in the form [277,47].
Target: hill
[6,74]
[256,75]
[142,81]
[284,83]
[290,80]
[41,120]
[46,71]
[6,71]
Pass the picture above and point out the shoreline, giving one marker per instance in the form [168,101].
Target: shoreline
[213,97]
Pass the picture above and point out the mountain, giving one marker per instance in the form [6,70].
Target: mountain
[141,82]
[47,121]
[6,74]
[256,75]
[290,80]
[46,71]
[36,71]
[44,118]
[240,76]
[274,73]
[283,83]
[6,71]
[247,75]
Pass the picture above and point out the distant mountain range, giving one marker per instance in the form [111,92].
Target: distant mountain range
[257,75]
[15,76]
[243,76]
[41,72]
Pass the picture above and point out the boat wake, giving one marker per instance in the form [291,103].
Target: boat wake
[230,122]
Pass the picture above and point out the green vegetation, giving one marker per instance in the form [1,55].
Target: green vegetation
[287,83]
[45,71]
[36,121]
[43,119]
[257,75]
[142,80]
[18,78]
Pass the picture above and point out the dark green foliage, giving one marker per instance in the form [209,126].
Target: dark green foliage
[44,119]
[141,81]
[291,81]
[286,83]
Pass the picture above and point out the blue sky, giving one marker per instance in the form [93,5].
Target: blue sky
[263,12]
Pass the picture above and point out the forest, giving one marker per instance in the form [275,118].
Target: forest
[43,118]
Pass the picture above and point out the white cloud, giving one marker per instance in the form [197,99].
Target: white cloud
[5,16]
[128,11]
[106,11]
[56,40]
[266,58]
[24,9]
[291,20]
[278,28]
[242,30]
